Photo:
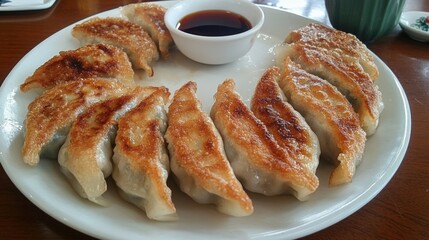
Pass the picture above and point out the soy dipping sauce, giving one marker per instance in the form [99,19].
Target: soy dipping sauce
[214,23]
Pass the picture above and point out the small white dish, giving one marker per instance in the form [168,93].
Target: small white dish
[25,5]
[220,49]
[413,23]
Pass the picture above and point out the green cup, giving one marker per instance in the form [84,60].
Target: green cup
[367,19]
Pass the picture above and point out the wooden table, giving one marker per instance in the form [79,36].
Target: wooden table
[400,211]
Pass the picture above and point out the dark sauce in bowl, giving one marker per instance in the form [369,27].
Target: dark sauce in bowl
[214,23]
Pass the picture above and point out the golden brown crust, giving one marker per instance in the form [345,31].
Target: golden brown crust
[331,39]
[198,148]
[249,134]
[151,18]
[91,61]
[93,124]
[87,151]
[57,108]
[330,115]
[140,141]
[137,141]
[288,127]
[348,77]
[123,34]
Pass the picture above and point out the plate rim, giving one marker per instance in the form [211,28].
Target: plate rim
[320,224]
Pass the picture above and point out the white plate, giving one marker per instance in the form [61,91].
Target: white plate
[274,217]
[24,5]
[408,23]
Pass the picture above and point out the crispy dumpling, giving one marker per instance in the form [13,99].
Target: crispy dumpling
[318,35]
[141,162]
[288,127]
[85,157]
[91,61]
[51,114]
[198,159]
[329,115]
[151,17]
[258,161]
[347,76]
[123,34]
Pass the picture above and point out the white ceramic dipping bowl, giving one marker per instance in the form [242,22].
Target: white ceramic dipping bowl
[214,50]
